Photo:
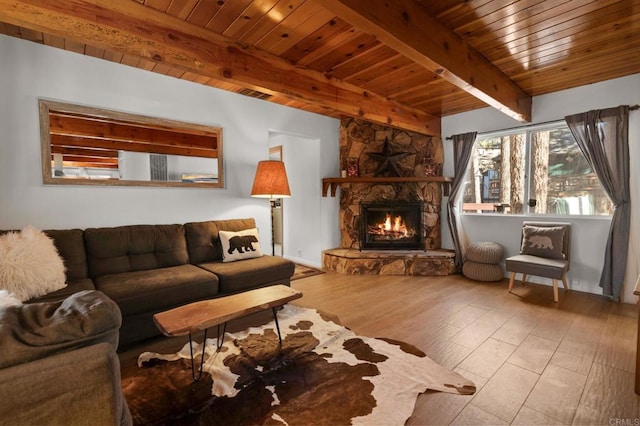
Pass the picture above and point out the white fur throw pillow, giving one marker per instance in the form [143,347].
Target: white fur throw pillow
[8,299]
[240,245]
[30,265]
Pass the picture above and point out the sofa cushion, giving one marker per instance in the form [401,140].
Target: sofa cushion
[540,266]
[73,286]
[134,248]
[250,273]
[203,241]
[33,331]
[70,245]
[158,289]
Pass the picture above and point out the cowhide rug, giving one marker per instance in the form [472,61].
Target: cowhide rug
[324,374]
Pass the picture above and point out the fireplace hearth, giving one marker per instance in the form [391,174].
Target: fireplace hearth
[391,226]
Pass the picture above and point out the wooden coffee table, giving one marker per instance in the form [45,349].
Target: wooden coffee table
[198,316]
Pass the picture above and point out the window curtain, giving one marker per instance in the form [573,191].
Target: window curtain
[603,137]
[462,149]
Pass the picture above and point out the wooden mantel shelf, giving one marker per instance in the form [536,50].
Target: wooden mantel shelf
[334,183]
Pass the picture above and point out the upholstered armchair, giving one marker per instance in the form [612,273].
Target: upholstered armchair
[545,251]
[58,363]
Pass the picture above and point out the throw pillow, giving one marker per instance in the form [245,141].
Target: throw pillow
[543,241]
[240,245]
[29,264]
[8,299]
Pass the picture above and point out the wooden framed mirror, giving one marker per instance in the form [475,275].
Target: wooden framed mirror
[91,146]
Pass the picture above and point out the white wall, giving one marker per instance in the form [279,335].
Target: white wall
[177,165]
[29,71]
[589,234]
[302,211]
[134,165]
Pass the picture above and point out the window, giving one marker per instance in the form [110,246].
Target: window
[539,170]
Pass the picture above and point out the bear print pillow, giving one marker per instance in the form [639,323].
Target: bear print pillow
[240,245]
[543,241]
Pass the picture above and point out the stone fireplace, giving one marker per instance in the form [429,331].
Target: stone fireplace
[379,151]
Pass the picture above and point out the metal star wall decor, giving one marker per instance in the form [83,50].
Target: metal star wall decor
[388,160]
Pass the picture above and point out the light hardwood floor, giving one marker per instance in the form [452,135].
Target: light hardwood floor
[533,361]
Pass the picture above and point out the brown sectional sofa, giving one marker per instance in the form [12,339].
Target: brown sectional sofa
[59,363]
[146,269]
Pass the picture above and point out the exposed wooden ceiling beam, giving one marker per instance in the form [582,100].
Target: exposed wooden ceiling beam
[89,164]
[89,160]
[84,151]
[406,27]
[131,28]
[97,128]
[133,146]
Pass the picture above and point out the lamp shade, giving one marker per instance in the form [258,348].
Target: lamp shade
[271,180]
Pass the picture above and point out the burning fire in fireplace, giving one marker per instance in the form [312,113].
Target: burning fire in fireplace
[392,227]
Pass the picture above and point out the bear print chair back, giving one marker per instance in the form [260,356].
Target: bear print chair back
[545,251]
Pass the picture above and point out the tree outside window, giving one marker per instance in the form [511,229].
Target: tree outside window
[535,171]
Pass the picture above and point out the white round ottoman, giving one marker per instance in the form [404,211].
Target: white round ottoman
[483,262]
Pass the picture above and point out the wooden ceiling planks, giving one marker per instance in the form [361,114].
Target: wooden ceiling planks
[181,8]
[353,47]
[543,46]
[607,19]
[84,152]
[228,12]
[256,10]
[89,50]
[95,140]
[160,5]
[355,65]
[268,20]
[203,12]
[499,15]
[188,47]
[585,71]
[547,18]
[74,46]
[320,42]
[111,143]
[407,28]
[309,17]
[410,75]
[31,35]
[383,68]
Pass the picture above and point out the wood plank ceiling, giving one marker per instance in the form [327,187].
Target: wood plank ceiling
[404,62]
[86,140]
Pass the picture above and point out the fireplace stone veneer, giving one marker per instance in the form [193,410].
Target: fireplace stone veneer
[390,262]
[358,139]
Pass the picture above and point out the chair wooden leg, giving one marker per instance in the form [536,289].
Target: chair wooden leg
[564,283]
[524,279]
[555,290]
[513,277]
